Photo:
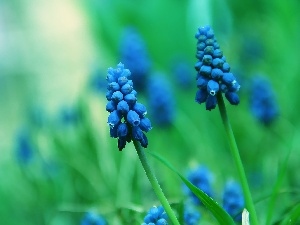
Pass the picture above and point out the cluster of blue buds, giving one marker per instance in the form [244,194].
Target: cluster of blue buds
[201,178]
[161,100]
[233,200]
[263,104]
[135,56]
[156,216]
[91,218]
[213,71]
[191,216]
[127,119]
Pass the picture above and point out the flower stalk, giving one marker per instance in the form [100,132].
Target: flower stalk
[237,160]
[155,185]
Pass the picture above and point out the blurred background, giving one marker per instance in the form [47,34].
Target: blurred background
[57,159]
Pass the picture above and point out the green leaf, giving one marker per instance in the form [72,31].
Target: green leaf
[292,217]
[219,213]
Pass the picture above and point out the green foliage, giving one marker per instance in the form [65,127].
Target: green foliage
[76,167]
[219,213]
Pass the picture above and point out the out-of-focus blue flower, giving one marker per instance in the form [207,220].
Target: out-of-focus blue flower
[24,149]
[191,215]
[201,178]
[69,115]
[161,101]
[127,119]
[213,71]
[135,56]
[183,74]
[262,101]
[233,200]
[156,216]
[91,218]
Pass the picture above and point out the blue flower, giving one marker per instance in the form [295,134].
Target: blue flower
[91,218]
[24,149]
[127,119]
[69,115]
[182,73]
[191,216]
[161,100]
[213,72]
[262,103]
[135,56]
[156,216]
[201,178]
[233,200]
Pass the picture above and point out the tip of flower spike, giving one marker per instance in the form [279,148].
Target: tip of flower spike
[120,66]
[156,215]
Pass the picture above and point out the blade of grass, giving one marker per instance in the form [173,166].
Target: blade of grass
[282,172]
[292,217]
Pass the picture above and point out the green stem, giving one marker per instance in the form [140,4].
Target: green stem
[237,160]
[155,185]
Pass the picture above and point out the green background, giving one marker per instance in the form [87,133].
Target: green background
[49,52]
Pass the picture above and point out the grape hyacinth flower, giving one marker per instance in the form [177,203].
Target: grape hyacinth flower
[263,104]
[233,200]
[161,100]
[191,216]
[201,178]
[91,218]
[24,150]
[156,216]
[135,56]
[69,115]
[127,119]
[213,72]
[183,74]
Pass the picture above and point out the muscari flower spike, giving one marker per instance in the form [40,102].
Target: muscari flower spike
[262,103]
[213,72]
[156,216]
[201,178]
[191,215]
[92,218]
[24,149]
[161,100]
[233,200]
[134,55]
[127,119]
